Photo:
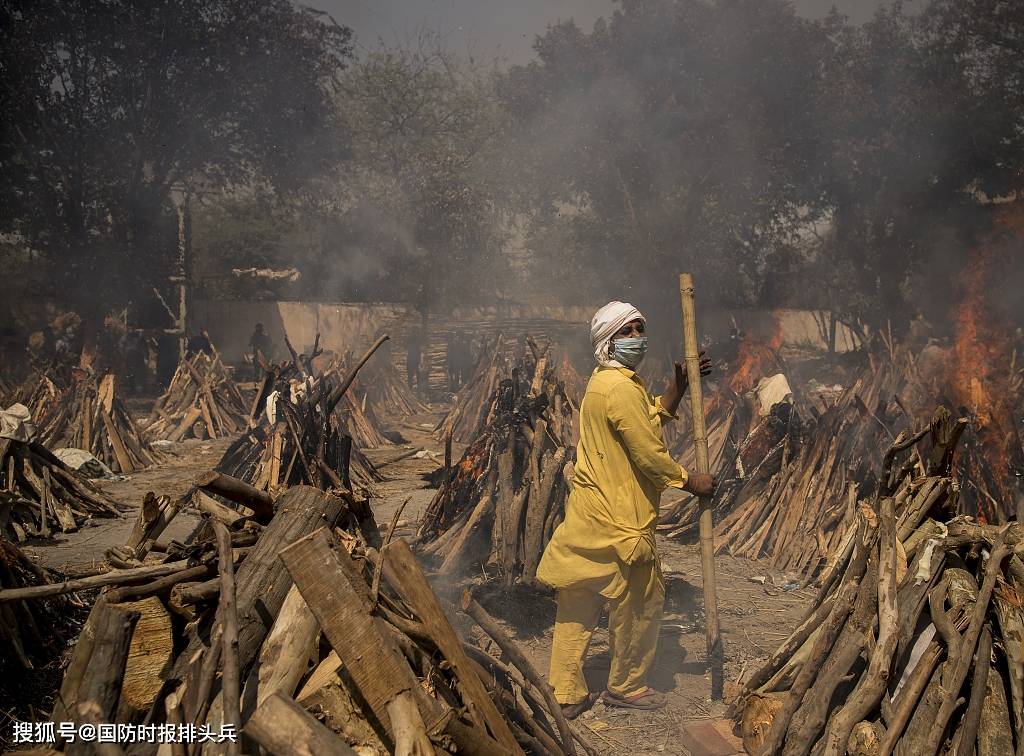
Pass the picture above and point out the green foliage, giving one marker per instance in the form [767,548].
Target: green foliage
[112,104]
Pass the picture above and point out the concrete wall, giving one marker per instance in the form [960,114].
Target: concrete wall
[353,326]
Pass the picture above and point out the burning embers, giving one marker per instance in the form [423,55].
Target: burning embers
[980,375]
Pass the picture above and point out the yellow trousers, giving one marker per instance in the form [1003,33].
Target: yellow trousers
[634,620]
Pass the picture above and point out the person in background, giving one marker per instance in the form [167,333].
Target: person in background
[413,358]
[605,550]
[199,343]
[261,345]
[451,359]
[135,353]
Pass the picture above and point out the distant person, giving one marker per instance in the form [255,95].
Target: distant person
[451,359]
[261,345]
[166,360]
[413,359]
[135,354]
[464,359]
[199,344]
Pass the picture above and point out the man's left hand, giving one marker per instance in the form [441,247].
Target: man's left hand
[683,379]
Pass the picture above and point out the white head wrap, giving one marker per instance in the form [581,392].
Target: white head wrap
[606,323]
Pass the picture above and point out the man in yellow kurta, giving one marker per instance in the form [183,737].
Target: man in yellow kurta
[604,550]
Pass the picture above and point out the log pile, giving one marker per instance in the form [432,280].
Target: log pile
[89,415]
[40,495]
[33,633]
[257,593]
[355,412]
[507,493]
[201,402]
[914,644]
[790,486]
[472,402]
[289,441]
[388,394]
[734,420]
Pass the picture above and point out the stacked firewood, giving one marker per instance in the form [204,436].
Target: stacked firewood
[89,415]
[31,633]
[201,402]
[355,412]
[292,438]
[40,495]
[507,493]
[388,394]
[473,401]
[258,587]
[914,644]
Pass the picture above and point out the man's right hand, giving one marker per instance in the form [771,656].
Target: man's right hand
[701,484]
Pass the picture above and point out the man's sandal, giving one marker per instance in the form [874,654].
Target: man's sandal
[571,711]
[646,700]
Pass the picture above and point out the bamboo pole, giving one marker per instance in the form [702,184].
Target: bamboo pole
[715,651]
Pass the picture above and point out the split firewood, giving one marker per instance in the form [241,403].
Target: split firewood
[202,392]
[37,490]
[502,497]
[88,414]
[925,683]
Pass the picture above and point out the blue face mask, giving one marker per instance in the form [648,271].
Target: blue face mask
[629,351]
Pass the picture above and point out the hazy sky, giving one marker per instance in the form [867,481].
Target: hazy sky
[485,27]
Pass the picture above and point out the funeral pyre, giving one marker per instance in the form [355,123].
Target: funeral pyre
[292,438]
[225,632]
[507,493]
[202,401]
[914,643]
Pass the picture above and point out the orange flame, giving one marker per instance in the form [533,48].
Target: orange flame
[756,359]
[981,363]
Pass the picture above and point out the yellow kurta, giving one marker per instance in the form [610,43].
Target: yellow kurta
[622,467]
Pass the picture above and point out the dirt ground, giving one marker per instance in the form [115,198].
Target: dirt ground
[754,617]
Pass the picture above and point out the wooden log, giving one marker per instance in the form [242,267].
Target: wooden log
[155,515]
[405,576]
[217,512]
[283,728]
[104,675]
[228,612]
[519,660]
[240,492]
[995,731]
[826,637]
[149,658]
[965,652]
[967,733]
[189,594]
[536,513]
[89,713]
[1010,615]
[872,683]
[285,654]
[470,545]
[135,592]
[409,732]
[70,686]
[124,460]
[328,581]
[114,577]
[262,581]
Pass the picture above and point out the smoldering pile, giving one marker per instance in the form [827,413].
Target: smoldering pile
[507,493]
